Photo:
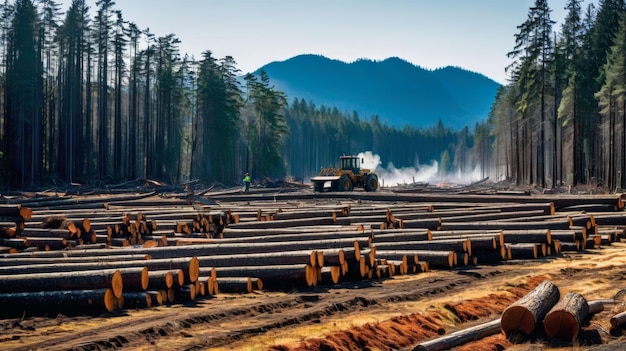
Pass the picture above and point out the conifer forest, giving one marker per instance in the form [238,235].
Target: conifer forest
[88,96]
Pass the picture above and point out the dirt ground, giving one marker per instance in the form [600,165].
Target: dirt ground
[381,314]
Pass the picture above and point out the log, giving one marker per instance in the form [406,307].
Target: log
[156,296]
[260,259]
[331,274]
[47,244]
[523,315]
[596,306]
[460,337]
[427,223]
[230,232]
[273,277]
[136,299]
[135,278]
[564,320]
[189,265]
[402,235]
[26,261]
[460,245]
[16,243]
[436,259]
[236,285]
[553,224]
[483,217]
[101,279]
[469,234]
[62,301]
[274,238]
[186,293]
[163,279]
[524,251]
[330,257]
[527,236]
[618,320]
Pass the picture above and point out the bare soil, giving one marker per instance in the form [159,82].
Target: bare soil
[382,314]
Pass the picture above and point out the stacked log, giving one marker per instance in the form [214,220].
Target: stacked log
[284,245]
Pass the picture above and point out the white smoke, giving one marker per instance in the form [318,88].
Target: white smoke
[420,173]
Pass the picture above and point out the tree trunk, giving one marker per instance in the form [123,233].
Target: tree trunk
[162,279]
[461,337]
[100,279]
[62,301]
[273,277]
[259,259]
[460,245]
[523,315]
[543,225]
[564,320]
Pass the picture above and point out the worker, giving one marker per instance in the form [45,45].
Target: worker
[246,183]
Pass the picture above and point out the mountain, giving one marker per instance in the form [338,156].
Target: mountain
[399,92]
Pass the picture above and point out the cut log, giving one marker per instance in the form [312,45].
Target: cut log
[564,320]
[523,315]
[236,285]
[62,301]
[618,320]
[596,306]
[460,245]
[527,236]
[461,337]
[436,259]
[260,259]
[157,297]
[26,261]
[402,235]
[553,224]
[136,299]
[189,265]
[102,279]
[524,251]
[186,293]
[135,278]
[273,277]
[162,279]
[331,274]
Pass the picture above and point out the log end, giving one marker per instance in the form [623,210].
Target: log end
[117,284]
[194,269]
[517,319]
[562,325]
[110,301]
[145,278]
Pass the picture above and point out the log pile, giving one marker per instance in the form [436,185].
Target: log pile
[171,250]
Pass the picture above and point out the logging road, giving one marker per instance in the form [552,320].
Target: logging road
[304,319]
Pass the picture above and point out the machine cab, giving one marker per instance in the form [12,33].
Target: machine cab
[352,163]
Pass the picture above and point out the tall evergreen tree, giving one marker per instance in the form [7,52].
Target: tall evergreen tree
[23,135]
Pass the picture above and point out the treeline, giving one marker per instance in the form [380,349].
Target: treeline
[318,135]
[99,100]
[562,118]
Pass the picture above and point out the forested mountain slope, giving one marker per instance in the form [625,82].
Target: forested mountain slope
[396,90]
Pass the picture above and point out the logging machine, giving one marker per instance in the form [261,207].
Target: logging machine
[347,177]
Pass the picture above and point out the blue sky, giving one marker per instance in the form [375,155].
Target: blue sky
[472,34]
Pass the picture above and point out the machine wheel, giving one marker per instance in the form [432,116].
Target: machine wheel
[345,183]
[318,186]
[371,182]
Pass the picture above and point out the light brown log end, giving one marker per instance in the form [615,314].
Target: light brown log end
[110,301]
[117,284]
